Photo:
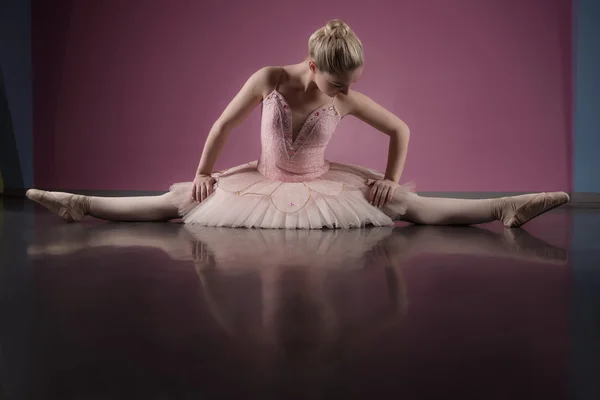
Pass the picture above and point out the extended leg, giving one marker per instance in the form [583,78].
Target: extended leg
[72,207]
[513,211]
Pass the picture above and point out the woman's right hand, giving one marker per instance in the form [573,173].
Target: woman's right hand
[202,187]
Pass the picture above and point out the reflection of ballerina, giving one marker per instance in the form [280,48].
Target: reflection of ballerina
[292,185]
[349,248]
[301,299]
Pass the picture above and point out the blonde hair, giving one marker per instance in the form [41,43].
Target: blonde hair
[335,48]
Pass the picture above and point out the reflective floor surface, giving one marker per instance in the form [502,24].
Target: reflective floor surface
[102,310]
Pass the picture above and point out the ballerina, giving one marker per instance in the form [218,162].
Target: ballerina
[292,185]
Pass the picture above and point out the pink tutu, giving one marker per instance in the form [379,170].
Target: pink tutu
[243,197]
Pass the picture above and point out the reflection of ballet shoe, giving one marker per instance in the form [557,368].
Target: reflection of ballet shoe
[515,211]
[55,249]
[60,240]
[526,246]
[72,208]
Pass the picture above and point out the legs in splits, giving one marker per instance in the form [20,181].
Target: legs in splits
[513,211]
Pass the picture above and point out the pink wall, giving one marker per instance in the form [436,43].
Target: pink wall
[125,94]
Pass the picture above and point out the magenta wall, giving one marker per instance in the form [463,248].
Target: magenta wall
[125,94]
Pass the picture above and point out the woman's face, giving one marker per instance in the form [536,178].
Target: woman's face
[332,85]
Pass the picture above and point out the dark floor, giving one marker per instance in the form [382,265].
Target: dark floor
[101,310]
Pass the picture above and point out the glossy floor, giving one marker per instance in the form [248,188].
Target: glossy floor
[100,310]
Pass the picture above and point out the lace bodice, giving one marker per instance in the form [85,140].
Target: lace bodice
[299,159]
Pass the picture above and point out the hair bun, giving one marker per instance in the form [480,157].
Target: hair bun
[336,28]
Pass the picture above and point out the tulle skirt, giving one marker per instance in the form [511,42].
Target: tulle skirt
[244,198]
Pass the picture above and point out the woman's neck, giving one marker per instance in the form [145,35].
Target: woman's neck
[302,77]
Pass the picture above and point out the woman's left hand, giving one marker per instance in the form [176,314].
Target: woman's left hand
[382,192]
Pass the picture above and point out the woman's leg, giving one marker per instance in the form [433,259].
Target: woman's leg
[512,211]
[73,207]
[144,208]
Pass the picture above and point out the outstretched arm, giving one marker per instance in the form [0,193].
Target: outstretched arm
[369,111]
[249,96]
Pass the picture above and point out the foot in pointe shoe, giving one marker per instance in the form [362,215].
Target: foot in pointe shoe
[515,211]
[70,207]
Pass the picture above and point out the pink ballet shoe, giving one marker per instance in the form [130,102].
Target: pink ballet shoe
[71,210]
[515,211]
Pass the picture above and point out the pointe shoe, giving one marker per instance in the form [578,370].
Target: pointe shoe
[72,209]
[515,211]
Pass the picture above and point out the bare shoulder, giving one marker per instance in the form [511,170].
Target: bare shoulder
[352,103]
[368,110]
[264,79]
[257,86]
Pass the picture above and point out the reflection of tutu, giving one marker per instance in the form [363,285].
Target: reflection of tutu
[242,249]
[243,197]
